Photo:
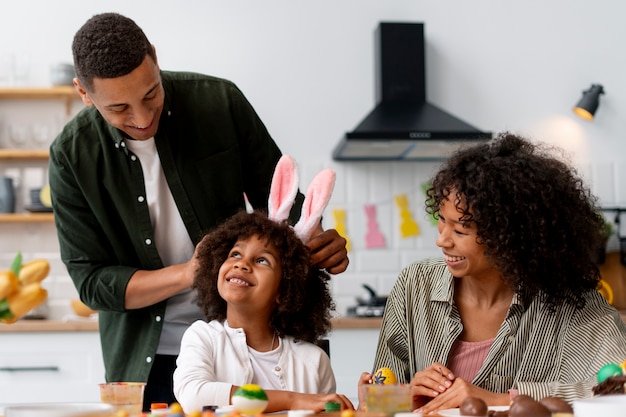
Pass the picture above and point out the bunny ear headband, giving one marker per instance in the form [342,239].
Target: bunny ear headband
[283,194]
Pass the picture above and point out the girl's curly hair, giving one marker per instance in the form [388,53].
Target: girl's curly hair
[109,45]
[305,303]
[540,225]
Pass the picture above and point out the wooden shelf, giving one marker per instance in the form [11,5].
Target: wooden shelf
[24,154]
[65,93]
[42,93]
[26,218]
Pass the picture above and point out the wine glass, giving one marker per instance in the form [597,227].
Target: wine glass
[41,135]
[18,135]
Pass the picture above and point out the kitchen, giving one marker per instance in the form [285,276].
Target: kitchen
[540,56]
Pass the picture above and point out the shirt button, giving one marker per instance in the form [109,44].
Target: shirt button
[117,145]
[140,199]
[148,359]
[148,241]
[158,318]
[123,144]
[277,369]
[133,158]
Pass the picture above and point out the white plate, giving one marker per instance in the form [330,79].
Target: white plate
[605,406]
[59,410]
[454,412]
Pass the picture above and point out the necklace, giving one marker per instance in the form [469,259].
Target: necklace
[273,338]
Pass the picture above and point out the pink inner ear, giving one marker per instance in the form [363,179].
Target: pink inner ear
[283,189]
[315,201]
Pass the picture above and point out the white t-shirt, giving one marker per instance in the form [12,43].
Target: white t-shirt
[172,242]
[263,364]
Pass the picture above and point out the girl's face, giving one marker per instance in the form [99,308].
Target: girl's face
[250,275]
[462,254]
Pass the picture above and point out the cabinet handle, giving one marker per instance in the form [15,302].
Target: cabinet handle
[29,368]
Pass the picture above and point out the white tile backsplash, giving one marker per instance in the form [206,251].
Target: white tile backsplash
[358,184]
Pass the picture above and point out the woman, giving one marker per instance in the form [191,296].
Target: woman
[512,306]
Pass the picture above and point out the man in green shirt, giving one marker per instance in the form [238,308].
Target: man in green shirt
[154,161]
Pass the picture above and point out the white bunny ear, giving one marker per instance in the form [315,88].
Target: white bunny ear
[283,189]
[315,201]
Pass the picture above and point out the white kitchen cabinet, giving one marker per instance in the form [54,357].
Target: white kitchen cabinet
[352,352]
[50,367]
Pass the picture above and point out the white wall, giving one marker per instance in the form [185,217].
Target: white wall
[307,67]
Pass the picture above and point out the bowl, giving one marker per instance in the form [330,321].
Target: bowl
[387,398]
[59,410]
[126,396]
[62,74]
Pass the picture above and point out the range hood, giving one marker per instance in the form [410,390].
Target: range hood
[403,126]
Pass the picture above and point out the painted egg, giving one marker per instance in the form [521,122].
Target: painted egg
[384,376]
[249,399]
[609,370]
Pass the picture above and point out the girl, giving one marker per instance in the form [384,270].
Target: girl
[265,311]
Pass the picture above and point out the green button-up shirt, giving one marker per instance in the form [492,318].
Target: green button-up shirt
[213,147]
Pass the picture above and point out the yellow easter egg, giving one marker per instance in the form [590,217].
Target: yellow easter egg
[384,375]
[175,408]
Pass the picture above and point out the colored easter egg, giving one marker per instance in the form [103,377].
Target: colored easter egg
[249,399]
[609,370]
[384,376]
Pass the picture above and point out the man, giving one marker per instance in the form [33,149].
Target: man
[155,160]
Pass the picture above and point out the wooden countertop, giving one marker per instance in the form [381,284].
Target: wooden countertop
[92,325]
[343,323]
[25,326]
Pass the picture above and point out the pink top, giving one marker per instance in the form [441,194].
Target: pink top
[466,358]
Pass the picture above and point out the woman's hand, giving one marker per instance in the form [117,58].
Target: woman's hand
[460,390]
[364,379]
[432,381]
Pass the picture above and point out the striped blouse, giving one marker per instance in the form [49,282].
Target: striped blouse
[535,352]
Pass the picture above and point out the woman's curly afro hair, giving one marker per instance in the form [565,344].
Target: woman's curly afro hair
[540,225]
[305,303]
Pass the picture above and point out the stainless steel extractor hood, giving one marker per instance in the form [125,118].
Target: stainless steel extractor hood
[403,125]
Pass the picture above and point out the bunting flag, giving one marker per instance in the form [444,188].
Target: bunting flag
[433,219]
[340,225]
[374,237]
[408,226]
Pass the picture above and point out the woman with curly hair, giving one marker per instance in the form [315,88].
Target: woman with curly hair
[511,307]
[265,308]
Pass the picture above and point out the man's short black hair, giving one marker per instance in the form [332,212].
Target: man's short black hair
[109,45]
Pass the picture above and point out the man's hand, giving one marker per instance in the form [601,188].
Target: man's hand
[328,250]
